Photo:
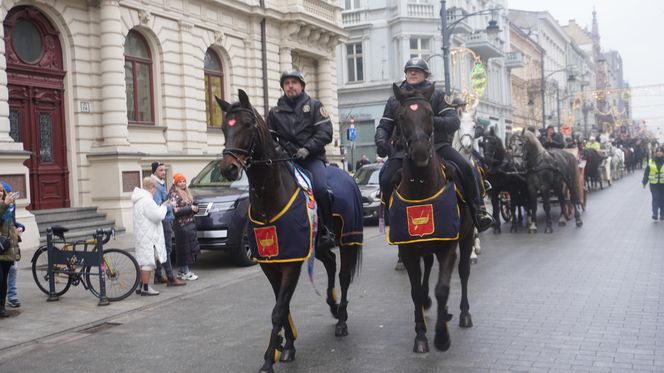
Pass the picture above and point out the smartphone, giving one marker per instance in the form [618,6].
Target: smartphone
[18,195]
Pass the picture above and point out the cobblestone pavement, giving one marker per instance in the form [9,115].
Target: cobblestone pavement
[584,299]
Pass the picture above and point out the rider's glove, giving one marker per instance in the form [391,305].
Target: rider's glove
[302,153]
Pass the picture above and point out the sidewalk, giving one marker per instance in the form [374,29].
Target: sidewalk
[38,321]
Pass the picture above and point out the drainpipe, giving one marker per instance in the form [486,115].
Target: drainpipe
[266,99]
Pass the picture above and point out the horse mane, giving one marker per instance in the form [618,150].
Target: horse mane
[534,142]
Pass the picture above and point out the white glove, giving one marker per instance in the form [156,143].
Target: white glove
[302,153]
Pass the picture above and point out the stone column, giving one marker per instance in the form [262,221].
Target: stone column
[285,59]
[6,142]
[114,109]
[194,125]
[327,86]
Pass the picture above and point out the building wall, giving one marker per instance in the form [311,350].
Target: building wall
[526,81]
[300,33]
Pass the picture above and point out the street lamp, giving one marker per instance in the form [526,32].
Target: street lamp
[446,31]
[570,78]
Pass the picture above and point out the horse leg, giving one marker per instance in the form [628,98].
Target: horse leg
[546,205]
[532,208]
[495,194]
[563,200]
[428,264]
[286,277]
[446,258]
[348,257]
[328,259]
[412,263]
[465,247]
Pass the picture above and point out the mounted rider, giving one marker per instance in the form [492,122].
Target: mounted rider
[302,127]
[446,122]
[551,139]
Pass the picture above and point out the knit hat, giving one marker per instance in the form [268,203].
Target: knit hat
[155,165]
[178,177]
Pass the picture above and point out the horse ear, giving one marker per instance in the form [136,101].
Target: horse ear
[428,91]
[244,99]
[492,131]
[397,91]
[223,104]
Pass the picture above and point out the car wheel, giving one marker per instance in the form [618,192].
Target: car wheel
[243,257]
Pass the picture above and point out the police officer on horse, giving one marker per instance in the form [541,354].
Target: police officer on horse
[446,123]
[302,128]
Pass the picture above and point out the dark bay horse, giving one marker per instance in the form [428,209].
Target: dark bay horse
[547,170]
[274,193]
[505,176]
[422,179]
[592,172]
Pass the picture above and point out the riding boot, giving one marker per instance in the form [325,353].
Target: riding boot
[482,219]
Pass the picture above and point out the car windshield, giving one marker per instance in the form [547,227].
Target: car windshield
[211,177]
[367,176]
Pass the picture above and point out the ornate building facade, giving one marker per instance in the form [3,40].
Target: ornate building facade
[93,91]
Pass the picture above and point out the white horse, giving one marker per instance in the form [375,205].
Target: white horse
[617,161]
[464,142]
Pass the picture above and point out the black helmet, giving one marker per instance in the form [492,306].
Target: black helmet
[458,102]
[292,74]
[417,63]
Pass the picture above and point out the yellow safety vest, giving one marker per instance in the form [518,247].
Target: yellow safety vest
[655,176]
[590,145]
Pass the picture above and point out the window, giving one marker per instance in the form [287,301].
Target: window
[420,47]
[355,63]
[214,86]
[138,80]
[351,4]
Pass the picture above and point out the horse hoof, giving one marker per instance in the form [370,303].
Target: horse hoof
[473,260]
[266,369]
[287,355]
[341,330]
[496,230]
[442,343]
[421,347]
[427,303]
[562,224]
[532,230]
[579,223]
[399,267]
[465,321]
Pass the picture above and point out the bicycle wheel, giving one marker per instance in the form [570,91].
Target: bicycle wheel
[121,271]
[40,273]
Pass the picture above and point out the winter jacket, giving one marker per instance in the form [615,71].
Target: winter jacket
[557,141]
[305,124]
[8,229]
[162,195]
[148,231]
[184,228]
[445,121]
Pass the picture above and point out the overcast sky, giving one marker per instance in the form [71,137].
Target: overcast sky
[633,28]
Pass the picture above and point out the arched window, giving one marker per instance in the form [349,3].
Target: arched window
[138,79]
[214,86]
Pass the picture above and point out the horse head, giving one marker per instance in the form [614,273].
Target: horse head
[244,134]
[466,132]
[494,151]
[415,120]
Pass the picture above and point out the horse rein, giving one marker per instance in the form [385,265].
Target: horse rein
[249,154]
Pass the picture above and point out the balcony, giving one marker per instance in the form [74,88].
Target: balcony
[514,60]
[453,15]
[420,10]
[354,17]
[481,44]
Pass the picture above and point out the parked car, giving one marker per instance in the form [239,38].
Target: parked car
[367,180]
[221,220]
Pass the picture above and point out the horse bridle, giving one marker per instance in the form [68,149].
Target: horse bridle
[426,138]
[249,154]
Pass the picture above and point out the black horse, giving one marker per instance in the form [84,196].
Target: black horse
[547,170]
[422,179]
[592,172]
[505,176]
[273,188]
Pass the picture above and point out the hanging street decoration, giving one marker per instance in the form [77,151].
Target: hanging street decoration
[478,79]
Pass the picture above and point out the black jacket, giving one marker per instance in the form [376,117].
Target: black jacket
[304,125]
[557,141]
[445,121]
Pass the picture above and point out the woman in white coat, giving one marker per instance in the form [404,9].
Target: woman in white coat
[148,232]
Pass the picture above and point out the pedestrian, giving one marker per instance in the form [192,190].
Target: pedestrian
[148,232]
[446,123]
[168,277]
[10,251]
[364,160]
[303,127]
[654,175]
[186,239]
[550,139]
[12,293]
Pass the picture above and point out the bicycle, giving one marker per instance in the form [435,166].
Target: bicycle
[120,268]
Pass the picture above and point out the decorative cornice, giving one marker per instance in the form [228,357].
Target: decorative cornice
[144,17]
